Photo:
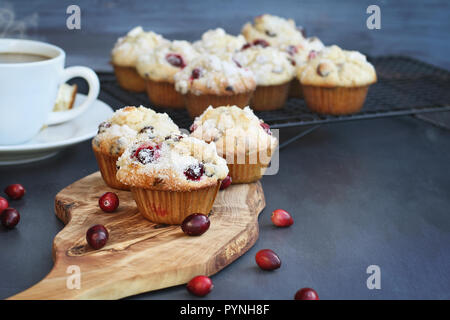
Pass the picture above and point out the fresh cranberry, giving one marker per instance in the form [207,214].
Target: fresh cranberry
[10,218]
[196,224]
[292,50]
[246,46]
[306,294]
[3,204]
[176,60]
[108,202]
[266,127]
[282,218]
[196,73]
[225,183]
[261,42]
[194,172]
[97,236]
[312,54]
[267,259]
[15,191]
[200,286]
[146,153]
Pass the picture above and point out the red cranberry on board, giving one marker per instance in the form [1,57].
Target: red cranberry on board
[15,191]
[97,236]
[108,202]
[266,127]
[3,204]
[225,183]
[194,172]
[176,60]
[10,218]
[267,259]
[281,218]
[196,224]
[306,294]
[200,286]
[261,42]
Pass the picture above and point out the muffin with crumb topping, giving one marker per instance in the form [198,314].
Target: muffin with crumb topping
[245,141]
[336,81]
[126,52]
[159,67]
[211,81]
[115,134]
[172,177]
[219,43]
[273,73]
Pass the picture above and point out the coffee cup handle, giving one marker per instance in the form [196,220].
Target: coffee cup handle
[90,76]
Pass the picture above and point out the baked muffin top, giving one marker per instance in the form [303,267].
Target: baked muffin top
[274,30]
[208,74]
[127,49]
[234,130]
[269,65]
[303,52]
[333,67]
[219,43]
[125,124]
[165,60]
[175,163]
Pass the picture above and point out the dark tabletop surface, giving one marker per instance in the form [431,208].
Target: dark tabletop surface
[373,192]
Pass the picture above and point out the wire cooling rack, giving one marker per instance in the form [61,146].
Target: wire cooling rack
[405,86]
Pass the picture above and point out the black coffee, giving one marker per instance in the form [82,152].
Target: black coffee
[14,57]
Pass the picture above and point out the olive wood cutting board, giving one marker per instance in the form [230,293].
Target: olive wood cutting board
[141,256]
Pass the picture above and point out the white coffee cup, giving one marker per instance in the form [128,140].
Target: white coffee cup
[28,90]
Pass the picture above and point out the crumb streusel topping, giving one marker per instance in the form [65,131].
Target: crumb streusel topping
[208,74]
[333,67]
[219,43]
[126,123]
[175,163]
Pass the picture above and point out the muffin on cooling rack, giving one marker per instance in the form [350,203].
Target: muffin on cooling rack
[172,177]
[211,81]
[336,81]
[158,68]
[219,43]
[245,141]
[115,134]
[273,72]
[299,56]
[271,30]
[125,54]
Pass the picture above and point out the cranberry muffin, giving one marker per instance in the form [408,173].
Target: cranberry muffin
[219,43]
[115,134]
[125,54]
[159,67]
[245,141]
[172,177]
[273,71]
[272,30]
[336,81]
[211,81]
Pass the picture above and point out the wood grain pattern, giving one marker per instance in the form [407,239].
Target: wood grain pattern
[142,256]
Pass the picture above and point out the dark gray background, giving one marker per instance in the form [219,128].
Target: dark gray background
[361,193]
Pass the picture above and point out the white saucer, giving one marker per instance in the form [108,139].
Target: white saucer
[52,139]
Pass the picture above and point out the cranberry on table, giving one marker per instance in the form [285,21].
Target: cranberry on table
[108,202]
[3,204]
[97,236]
[10,218]
[200,286]
[196,224]
[267,259]
[306,294]
[15,191]
[225,183]
[281,218]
